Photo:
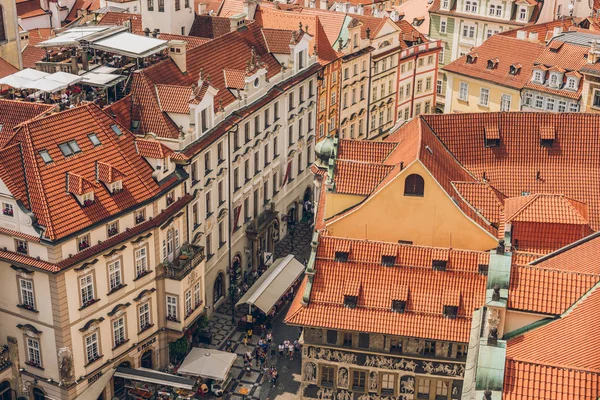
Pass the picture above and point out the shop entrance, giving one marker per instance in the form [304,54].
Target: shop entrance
[146,361]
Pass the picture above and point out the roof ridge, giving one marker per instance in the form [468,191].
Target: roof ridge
[570,272]
[552,365]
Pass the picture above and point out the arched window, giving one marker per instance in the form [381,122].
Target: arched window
[414,185]
[5,391]
[38,394]
[2,28]
[218,288]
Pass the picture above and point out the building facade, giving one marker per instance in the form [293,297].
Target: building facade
[10,49]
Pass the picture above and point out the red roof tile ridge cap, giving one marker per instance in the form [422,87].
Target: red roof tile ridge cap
[51,266]
[552,365]
[526,204]
[11,232]
[345,160]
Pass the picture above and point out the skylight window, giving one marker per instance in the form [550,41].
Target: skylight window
[116,130]
[94,139]
[46,156]
[69,148]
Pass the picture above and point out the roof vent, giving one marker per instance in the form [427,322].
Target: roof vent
[388,261]
[483,269]
[547,135]
[492,136]
[341,256]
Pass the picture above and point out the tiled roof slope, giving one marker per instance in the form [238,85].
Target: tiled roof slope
[332,21]
[559,360]
[364,151]
[121,110]
[544,31]
[42,187]
[358,177]
[411,279]
[115,18]
[546,208]
[31,53]
[483,197]
[278,40]
[520,164]
[191,42]
[286,20]
[12,113]
[508,51]
[208,26]
[30,9]
[6,68]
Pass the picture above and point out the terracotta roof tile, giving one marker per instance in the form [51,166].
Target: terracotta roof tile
[485,199]
[211,27]
[30,53]
[57,210]
[6,68]
[234,78]
[174,99]
[509,51]
[30,9]
[30,261]
[543,30]
[12,113]
[546,208]
[278,40]
[364,151]
[152,149]
[115,18]
[357,177]
[191,41]
[121,110]
[379,285]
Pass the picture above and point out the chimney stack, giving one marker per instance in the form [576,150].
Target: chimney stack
[201,8]
[177,52]
[521,35]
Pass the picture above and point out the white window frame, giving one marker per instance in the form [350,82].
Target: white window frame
[197,299]
[34,352]
[189,307]
[172,307]
[528,99]
[484,97]
[463,91]
[538,76]
[562,106]
[141,261]
[86,288]
[505,102]
[538,101]
[92,347]
[443,25]
[572,84]
[573,107]
[550,103]
[118,329]
[522,14]
[27,293]
[144,317]
[115,275]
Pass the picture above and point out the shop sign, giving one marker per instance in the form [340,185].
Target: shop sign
[147,344]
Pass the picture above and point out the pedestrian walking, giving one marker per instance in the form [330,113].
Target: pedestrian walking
[269,337]
[274,377]
[281,348]
[291,351]
[296,347]
[250,334]
[246,341]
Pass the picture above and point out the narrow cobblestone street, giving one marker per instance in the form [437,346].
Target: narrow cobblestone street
[222,327]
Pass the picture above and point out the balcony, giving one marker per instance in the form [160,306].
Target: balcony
[189,259]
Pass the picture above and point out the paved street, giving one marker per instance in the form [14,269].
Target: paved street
[221,326]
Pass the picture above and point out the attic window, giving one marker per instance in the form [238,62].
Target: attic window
[398,306]
[471,58]
[547,136]
[350,301]
[546,142]
[388,261]
[341,256]
[450,311]
[94,139]
[439,265]
[483,269]
[116,130]
[493,63]
[116,186]
[46,156]
[69,148]
[492,136]
[514,69]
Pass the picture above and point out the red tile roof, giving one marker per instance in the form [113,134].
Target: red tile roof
[174,99]
[191,41]
[116,18]
[152,149]
[234,78]
[364,151]
[379,285]
[30,53]
[544,31]
[509,51]
[358,177]
[12,113]
[278,40]
[6,68]
[558,360]
[484,198]
[30,9]
[546,208]
[45,191]
[121,110]
[85,5]
[209,26]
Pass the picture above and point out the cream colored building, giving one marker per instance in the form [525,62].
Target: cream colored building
[9,33]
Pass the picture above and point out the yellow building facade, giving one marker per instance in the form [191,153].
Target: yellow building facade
[391,216]
[466,94]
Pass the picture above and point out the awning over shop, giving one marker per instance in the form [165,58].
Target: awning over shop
[95,389]
[33,79]
[273,284]
[156,377]
[207,363]
[130,45]
[101,79]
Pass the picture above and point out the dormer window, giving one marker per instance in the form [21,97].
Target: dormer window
[450,311]
[471,58]
[493,63]
[116,186]
[514,69]
[83,242]
[112,228]
[438,265]
[341,256]
[554,80]
[445,4]
[140,216]
[522,14]
[398,306]
[388,261]
[87,199]
[538,77]
[572,84]
[350,301]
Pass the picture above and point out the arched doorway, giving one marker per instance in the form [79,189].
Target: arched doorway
[119,383]
[5,391]
[146,361]
[236,268]
[291,217]
[218,288]
[38,394]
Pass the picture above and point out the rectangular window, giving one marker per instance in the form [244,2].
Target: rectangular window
[141,262]
[92,351]
[256,162]
[256,125]
[301,94]
[247,137]
[203,117]
[207,164]
[150,5]
[220,192]
[327,375]
[86,285]
[115,278]
[265,192]
[388,384]
[236,179]
[484,97]
[189,308]
[528,99]
[291,101]
[275,147]
[573,107]
[21,246]
[255,201]
[550,104]
[112,228]
[27,296]
[208,205]
[358,380]
[539,101]
[144,316]
[34,354]
[209,252]
[463,93]
[443,24]
[505,102]
[275,183]
[441,389]
[171,308]
[276,111]
[247,170]
[197,300]
[118,331]
[363,340]
[221,234]
[423,388]
[428,84]
[177,5]
[300,127]
[333,98]
[291,135]
[266,118]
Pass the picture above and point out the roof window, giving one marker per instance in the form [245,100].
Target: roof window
[116,130]
[350,301]
[69,148]
[46,156]
[388,261]
[514,69]
[341,256]
[94,139]
[483,269]
[450,311]
[471,58]
[439,265]
[492,64]
[398,306]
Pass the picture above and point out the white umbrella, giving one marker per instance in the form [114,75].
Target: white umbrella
[31,74]
[15,81]
[64,77]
